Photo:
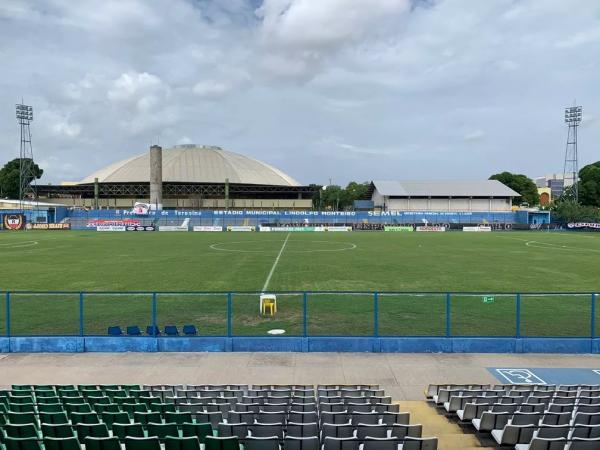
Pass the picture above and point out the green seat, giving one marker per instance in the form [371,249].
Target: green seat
[55,418]
[147,417]
[87,387]
[66,443]
[22,387]
[50,408]
[162,430]
[45,394]
[69,393]
[43,388]
[22,444]
[19,399]
[92,393]
[77,408]
[222,443]
[96,430]
[148,400]
[102,443]
[55,400]
[57,431]
[23,431]
[132,408]
[150,443]
[123,430]
[94,401]
[109,407]
[198,430]
[139,393]
[21,418]
[126,399]
[182,443]
[115,393]
[89,417]
[162,407]
[21,407]
[178,417]
[115,417]
[109,387]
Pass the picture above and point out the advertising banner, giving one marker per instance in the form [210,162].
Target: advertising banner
[239,228]
[110,228]
[431,228]
[13,222]
[584,225]
[141,209]
[291,229]
[398,228]
[113,222]
[140,228]
[208,228]
[48,226]
[337,228]
[172,228]
[479,228]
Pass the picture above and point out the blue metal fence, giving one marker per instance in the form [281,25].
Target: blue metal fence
[305,313]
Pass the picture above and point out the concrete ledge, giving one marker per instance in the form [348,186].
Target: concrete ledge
[341,344]
[483,345]
[4,345]
[557,345]
[191,344]
[120,344]
[266,344]
[416,345]
[47,344]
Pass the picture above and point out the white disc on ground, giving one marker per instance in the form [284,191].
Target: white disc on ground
[276,331]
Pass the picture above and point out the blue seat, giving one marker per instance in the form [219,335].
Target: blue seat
[134,330]
[115,331]
[190,330]
[171,330]
[152,330]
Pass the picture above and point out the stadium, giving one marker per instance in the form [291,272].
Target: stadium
[431,295]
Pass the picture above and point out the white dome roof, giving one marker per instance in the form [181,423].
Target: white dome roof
[194,164]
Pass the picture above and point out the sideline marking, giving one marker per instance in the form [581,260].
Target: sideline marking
[216,246]
[266,285]
[19,244]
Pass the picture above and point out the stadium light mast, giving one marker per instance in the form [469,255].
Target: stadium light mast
[27,174]
[571,167]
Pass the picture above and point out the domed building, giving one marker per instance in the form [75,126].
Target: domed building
[193,176]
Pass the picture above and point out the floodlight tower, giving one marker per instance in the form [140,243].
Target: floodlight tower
[571,167]
[27,174]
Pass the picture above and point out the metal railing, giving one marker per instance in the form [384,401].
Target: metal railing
[304,313]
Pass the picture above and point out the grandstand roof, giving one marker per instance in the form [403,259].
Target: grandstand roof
[484,188]
[195,164]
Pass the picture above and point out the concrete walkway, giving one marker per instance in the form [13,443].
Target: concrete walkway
[403,376]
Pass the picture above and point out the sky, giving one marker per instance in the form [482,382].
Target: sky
[325,90]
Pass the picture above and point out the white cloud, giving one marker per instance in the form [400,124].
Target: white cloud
[474,135]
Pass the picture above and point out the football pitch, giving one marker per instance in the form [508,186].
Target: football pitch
[412,271]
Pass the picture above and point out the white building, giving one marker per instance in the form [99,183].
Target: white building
[482,196]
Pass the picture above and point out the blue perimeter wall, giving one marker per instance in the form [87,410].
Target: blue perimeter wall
[74,344]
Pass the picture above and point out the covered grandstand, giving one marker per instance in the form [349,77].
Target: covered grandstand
[193,176]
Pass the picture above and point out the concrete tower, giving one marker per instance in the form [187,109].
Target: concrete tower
[156,197]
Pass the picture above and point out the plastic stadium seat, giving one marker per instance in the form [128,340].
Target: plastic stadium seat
[115,331]
[95,430]
[57,431]
[190,330]
[149,443]
[134,330]
[102,443]
[331,443]
[178,417]
[182,443]
[152,330]
[162,430]
[22,444]
[23,431]
[306,443]
[121,430]
[171,330]
[239,430]
[199,430]
[58,443]
[222,443]
[261,443]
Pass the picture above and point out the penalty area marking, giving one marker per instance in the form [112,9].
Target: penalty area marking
[19,244]
[217,246]
[266,285]
[550,245]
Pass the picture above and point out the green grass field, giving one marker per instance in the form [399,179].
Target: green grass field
[487,263]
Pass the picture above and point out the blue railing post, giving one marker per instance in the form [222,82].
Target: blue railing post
[305,314]
[81,314]
[229,314]
[448,314]
[7,304]
[593,319]
[376,314]
[154,326]
[518,324]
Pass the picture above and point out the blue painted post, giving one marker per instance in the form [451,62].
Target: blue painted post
[518,324]
[154,312]
[593,324]
[375,314]
[448,314]
[7,304]
[229,314]
[305,315]
[81,314]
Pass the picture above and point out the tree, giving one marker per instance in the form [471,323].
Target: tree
[589,185]
[565,211]
[521,184]
[9,177]
[338,198]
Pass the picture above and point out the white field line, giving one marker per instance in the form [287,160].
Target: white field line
[268,280]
